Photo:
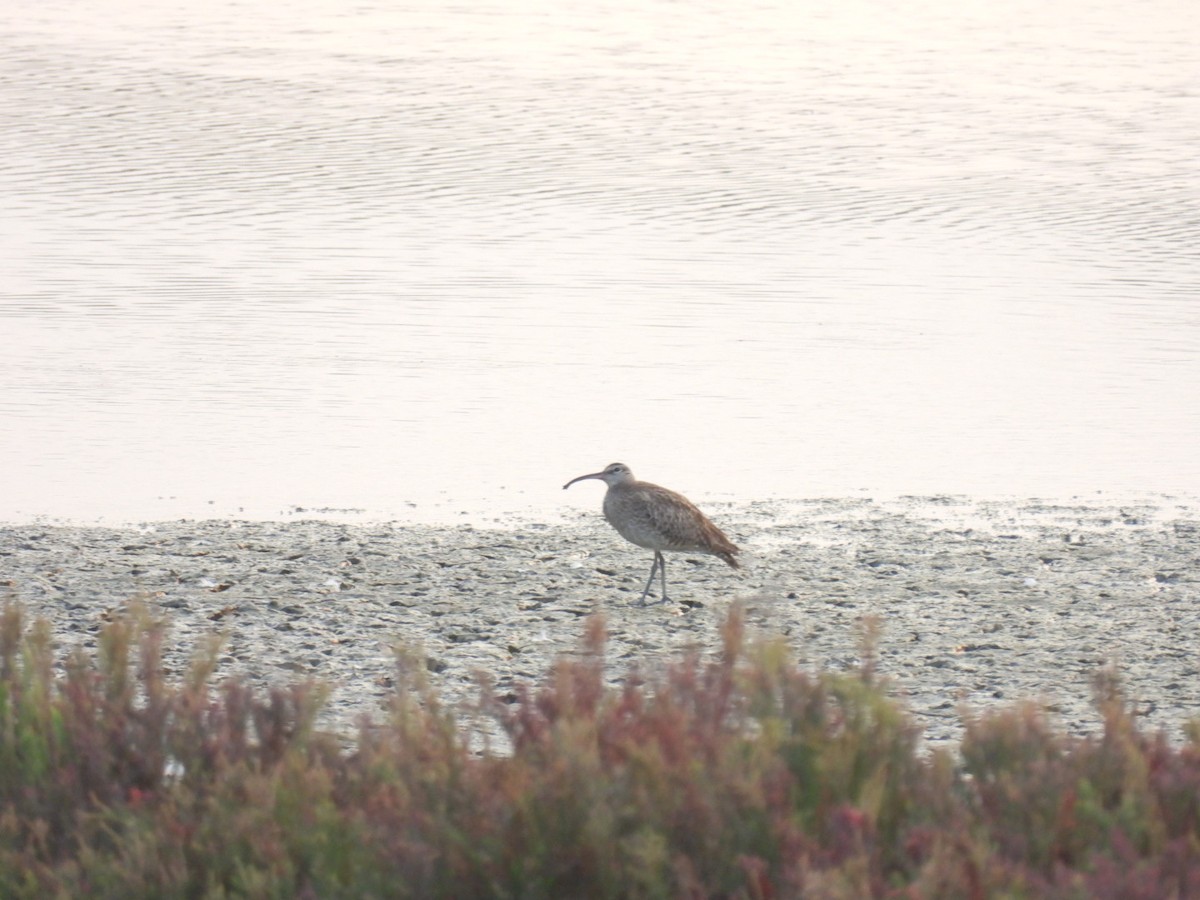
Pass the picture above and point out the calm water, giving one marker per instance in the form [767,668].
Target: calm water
[424,260]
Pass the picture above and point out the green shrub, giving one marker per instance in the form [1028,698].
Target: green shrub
[736,776]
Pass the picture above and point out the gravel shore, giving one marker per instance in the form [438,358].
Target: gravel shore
[979,602]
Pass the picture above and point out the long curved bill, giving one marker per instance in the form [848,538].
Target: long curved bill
[583,478]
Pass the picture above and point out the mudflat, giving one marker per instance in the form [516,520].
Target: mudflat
[976,603]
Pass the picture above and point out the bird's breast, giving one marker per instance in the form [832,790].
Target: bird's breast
[639,532]
[644,519]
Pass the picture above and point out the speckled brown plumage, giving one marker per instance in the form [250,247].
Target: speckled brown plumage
[658,519]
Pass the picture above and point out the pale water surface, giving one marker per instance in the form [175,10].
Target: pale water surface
[418,259]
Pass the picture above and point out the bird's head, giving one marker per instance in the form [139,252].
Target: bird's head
[613,474]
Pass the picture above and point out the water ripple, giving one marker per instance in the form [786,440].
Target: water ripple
[959,243]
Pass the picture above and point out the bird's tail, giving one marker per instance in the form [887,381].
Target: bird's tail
[728,557]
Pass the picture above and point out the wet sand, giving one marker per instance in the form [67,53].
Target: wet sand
[980,603]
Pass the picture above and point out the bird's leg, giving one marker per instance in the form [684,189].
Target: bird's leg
[650,580]
[662,571]
[660,566]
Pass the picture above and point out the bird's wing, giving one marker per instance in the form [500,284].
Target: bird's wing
[674,516]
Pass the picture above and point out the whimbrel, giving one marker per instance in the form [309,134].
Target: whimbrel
[657,519]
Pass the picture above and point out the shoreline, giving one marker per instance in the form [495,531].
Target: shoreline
[978,602]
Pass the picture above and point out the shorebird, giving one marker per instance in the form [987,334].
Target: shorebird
[657,519]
